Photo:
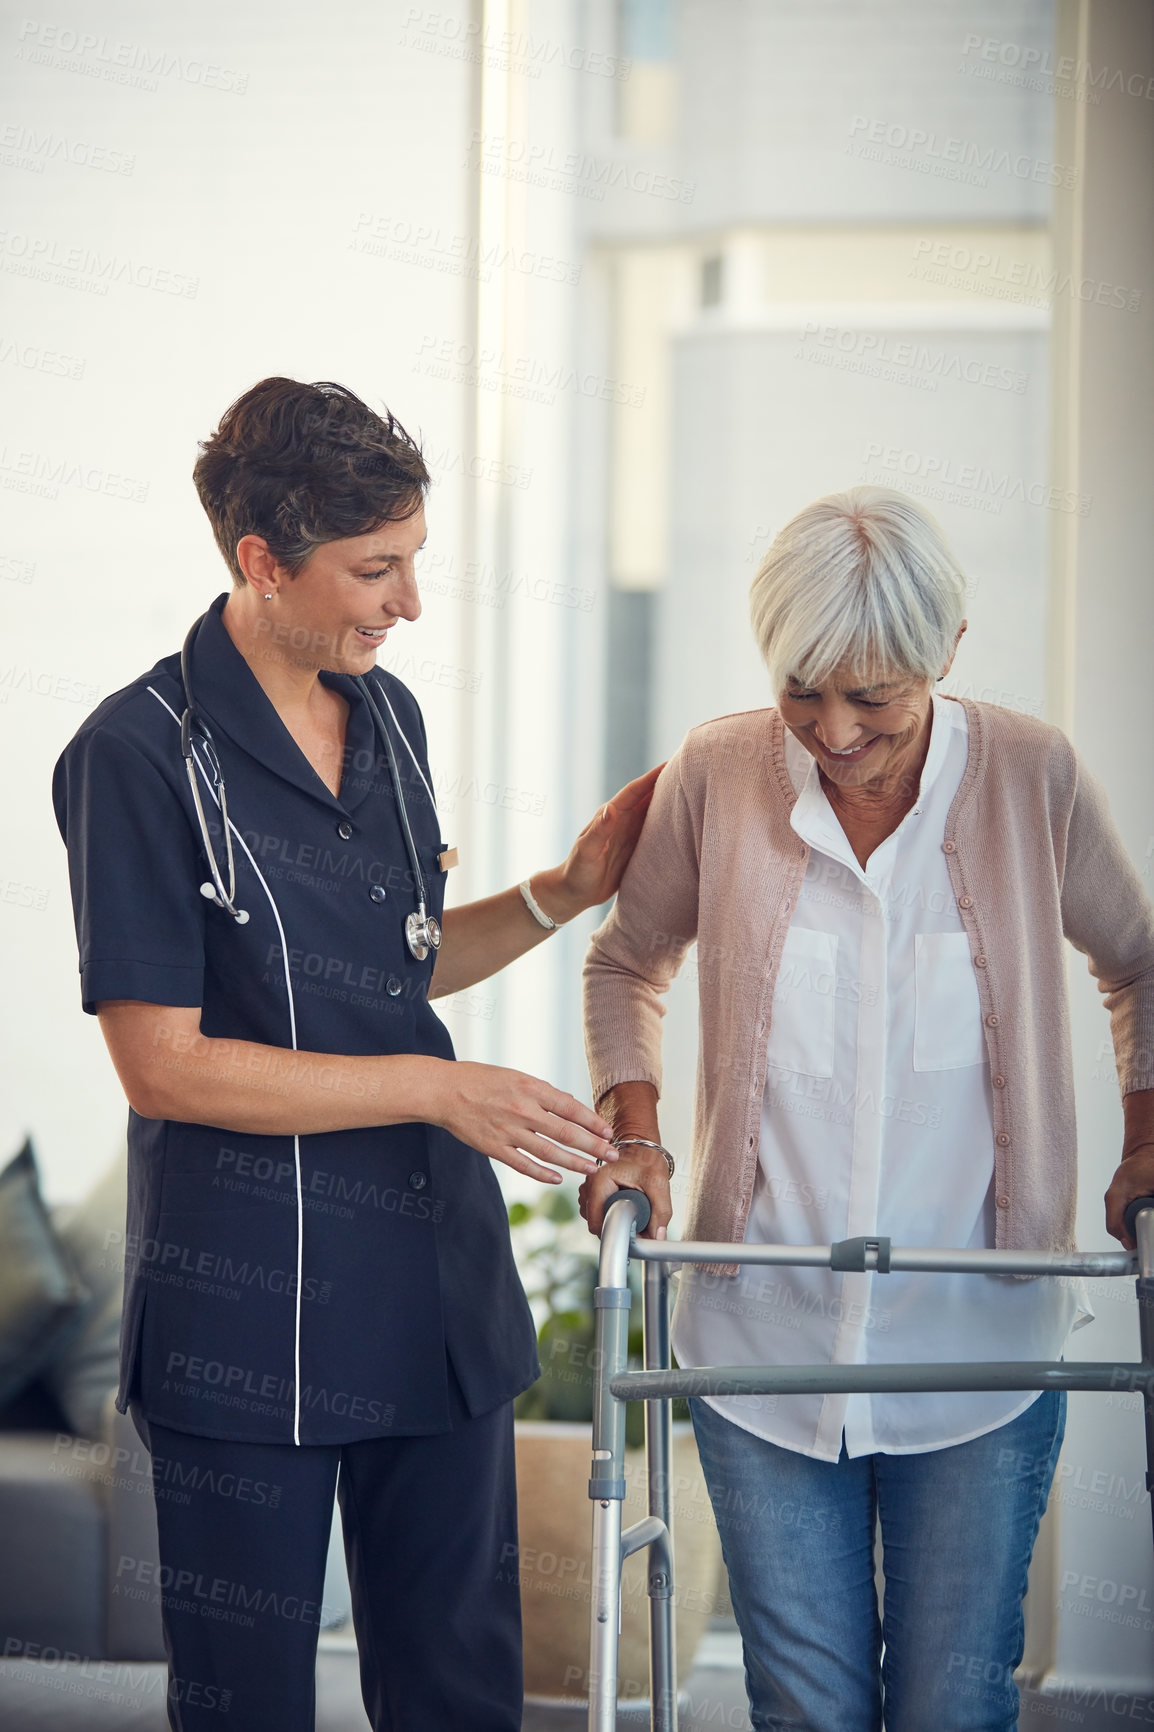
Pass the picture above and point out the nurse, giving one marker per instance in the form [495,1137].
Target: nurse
[319,1288]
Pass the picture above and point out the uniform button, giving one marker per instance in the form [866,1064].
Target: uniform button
[979,962]
[949,847]
[999,1082]
[965,902]
[377,892]
[418,1181]
[1003,1139]
[344,831]
[392,986]
[1002,1202]
[993,1020]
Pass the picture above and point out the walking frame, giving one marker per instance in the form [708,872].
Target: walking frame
[626,1215]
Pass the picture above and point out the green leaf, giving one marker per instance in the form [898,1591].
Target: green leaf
[519,1213]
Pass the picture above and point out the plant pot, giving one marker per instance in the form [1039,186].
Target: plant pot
[555,1519]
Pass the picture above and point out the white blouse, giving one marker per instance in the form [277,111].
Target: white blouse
[876,1119]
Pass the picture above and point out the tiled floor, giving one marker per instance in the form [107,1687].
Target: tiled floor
[107,1697]
[713,1696]
[120,1698]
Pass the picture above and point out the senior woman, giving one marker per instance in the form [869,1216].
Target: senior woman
[880,881]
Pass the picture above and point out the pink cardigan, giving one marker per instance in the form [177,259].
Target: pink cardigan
[1032,854]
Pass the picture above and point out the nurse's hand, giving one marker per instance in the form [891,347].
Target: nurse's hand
[520,1121]
[597,860]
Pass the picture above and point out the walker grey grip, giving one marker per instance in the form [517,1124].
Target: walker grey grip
[640,1202]
[1133,1210]
[858,1255]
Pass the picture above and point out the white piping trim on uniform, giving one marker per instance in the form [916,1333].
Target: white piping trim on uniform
[207,780]
[405,737]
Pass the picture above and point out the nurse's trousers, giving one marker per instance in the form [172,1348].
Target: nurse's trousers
[429,1524]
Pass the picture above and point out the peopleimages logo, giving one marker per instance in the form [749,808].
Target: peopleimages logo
[116,62]
[1037,69]
[903,146]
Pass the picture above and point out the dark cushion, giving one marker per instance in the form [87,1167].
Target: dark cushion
[55,1579]
[40,1291]
[86,1366]
[32,1408]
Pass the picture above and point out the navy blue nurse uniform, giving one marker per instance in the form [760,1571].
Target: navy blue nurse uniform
[329,1289]
[403,1238]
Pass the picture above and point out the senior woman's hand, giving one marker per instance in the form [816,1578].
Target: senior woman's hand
[631,1109]
[1135,1176]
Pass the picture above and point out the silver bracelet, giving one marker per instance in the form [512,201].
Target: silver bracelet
[535,908]
[620,1142]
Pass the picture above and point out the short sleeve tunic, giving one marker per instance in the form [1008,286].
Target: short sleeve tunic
[280,1288]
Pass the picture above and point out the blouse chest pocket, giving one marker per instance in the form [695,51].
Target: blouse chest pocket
[801,1036]
[947,1010]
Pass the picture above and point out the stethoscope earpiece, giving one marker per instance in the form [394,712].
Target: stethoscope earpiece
[240,915]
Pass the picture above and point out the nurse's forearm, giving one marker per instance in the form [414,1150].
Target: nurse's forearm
[169,1070]
[481,938]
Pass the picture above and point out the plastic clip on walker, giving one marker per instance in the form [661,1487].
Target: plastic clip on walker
[657,1384]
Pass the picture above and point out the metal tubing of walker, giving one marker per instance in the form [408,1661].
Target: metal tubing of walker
[659,1463]
[1144,1234]
[901,1260]
[607,1477]
[880,1379]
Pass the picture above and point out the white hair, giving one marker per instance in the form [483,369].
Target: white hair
[862,578]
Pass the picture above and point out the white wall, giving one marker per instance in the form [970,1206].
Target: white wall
[1100,689]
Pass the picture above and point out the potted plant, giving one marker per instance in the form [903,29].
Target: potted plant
[559,1268]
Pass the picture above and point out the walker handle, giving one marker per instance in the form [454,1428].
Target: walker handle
[641,1203]
[1133,1209]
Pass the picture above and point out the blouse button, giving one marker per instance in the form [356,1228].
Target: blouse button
[1002,1202]
[949,847]
[377,892]
[999,1082]
[965,902]
[418,1181]
[344,831]
[1003,1139]
[993,1020]
[392,986]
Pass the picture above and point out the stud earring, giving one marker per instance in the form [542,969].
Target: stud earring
[268,597]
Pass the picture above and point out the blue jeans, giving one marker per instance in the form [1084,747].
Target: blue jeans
[958,1527]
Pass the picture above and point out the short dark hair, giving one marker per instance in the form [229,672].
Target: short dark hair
[302,464]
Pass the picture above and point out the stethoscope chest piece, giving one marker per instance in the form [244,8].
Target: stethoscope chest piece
[422,933]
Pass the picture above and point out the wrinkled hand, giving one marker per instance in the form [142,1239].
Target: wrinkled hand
[598,858]
[521,1121]
[1134,1178]
[636,1169]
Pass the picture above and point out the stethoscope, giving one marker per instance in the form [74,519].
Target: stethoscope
[422,930]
